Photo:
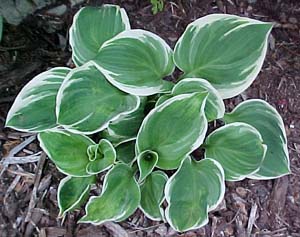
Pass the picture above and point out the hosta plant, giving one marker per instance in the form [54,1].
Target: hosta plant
[116,115]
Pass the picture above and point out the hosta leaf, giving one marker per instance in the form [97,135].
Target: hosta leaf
[126,126]
[92,27]
[214,108]
[72,192]
[268,122]
[102,156]
[196,188]
[238,147]
[68,151]
[152,195]
[163,98]
[172,141]
[226,50]
[146,160]
[126,152]
[34,107]
[136,61]
[86,101]
[119,199]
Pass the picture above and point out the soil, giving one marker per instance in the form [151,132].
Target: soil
[28,205]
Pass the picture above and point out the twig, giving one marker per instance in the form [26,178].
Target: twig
[19,147]
[214,226]
[146,228]
[21,173]
[14,151]
[272,233]
[11,188]
[38,175]
[115,229]
[251,218]
[235,216]
[12,48]
[22,159]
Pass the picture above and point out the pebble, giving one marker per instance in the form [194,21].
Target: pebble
[162,230]
[76,2]
[293,20]
[242,192]
[57,11]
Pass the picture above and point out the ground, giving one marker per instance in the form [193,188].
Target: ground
[28,205]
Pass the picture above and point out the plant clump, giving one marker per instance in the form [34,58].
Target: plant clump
[148,125]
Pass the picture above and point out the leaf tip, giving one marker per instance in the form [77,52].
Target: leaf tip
[84,219]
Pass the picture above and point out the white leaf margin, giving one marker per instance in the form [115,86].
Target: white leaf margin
[220,108]
[104,126]
[284,138]
[130,89]
[42,145]
[251,129]
[235,88]
[148,215]
[116,218]
[167,196]
[139,157]
[165,104]
[19,102]
[108,167]
[61,184]
[72,43]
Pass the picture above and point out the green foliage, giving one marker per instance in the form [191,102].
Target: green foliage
[147,125]
[157,6]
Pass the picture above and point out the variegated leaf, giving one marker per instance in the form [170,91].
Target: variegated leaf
[92,26]
[268,122]
[174,129]
[152,195]
[119,199]
[34,107]
[68,151]
[102,156]
[196,188]
[87,102]
[146,160]
[214,108]
[226,50]
[136,61]
[72,192]
[238,147]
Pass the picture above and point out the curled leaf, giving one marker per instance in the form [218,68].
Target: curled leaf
[172,141]
[68,151]
[120,197]
[72,192]
[152,195]
[146,160]
[268,122]
[102,156]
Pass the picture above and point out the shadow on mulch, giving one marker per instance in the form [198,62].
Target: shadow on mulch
[259,208]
